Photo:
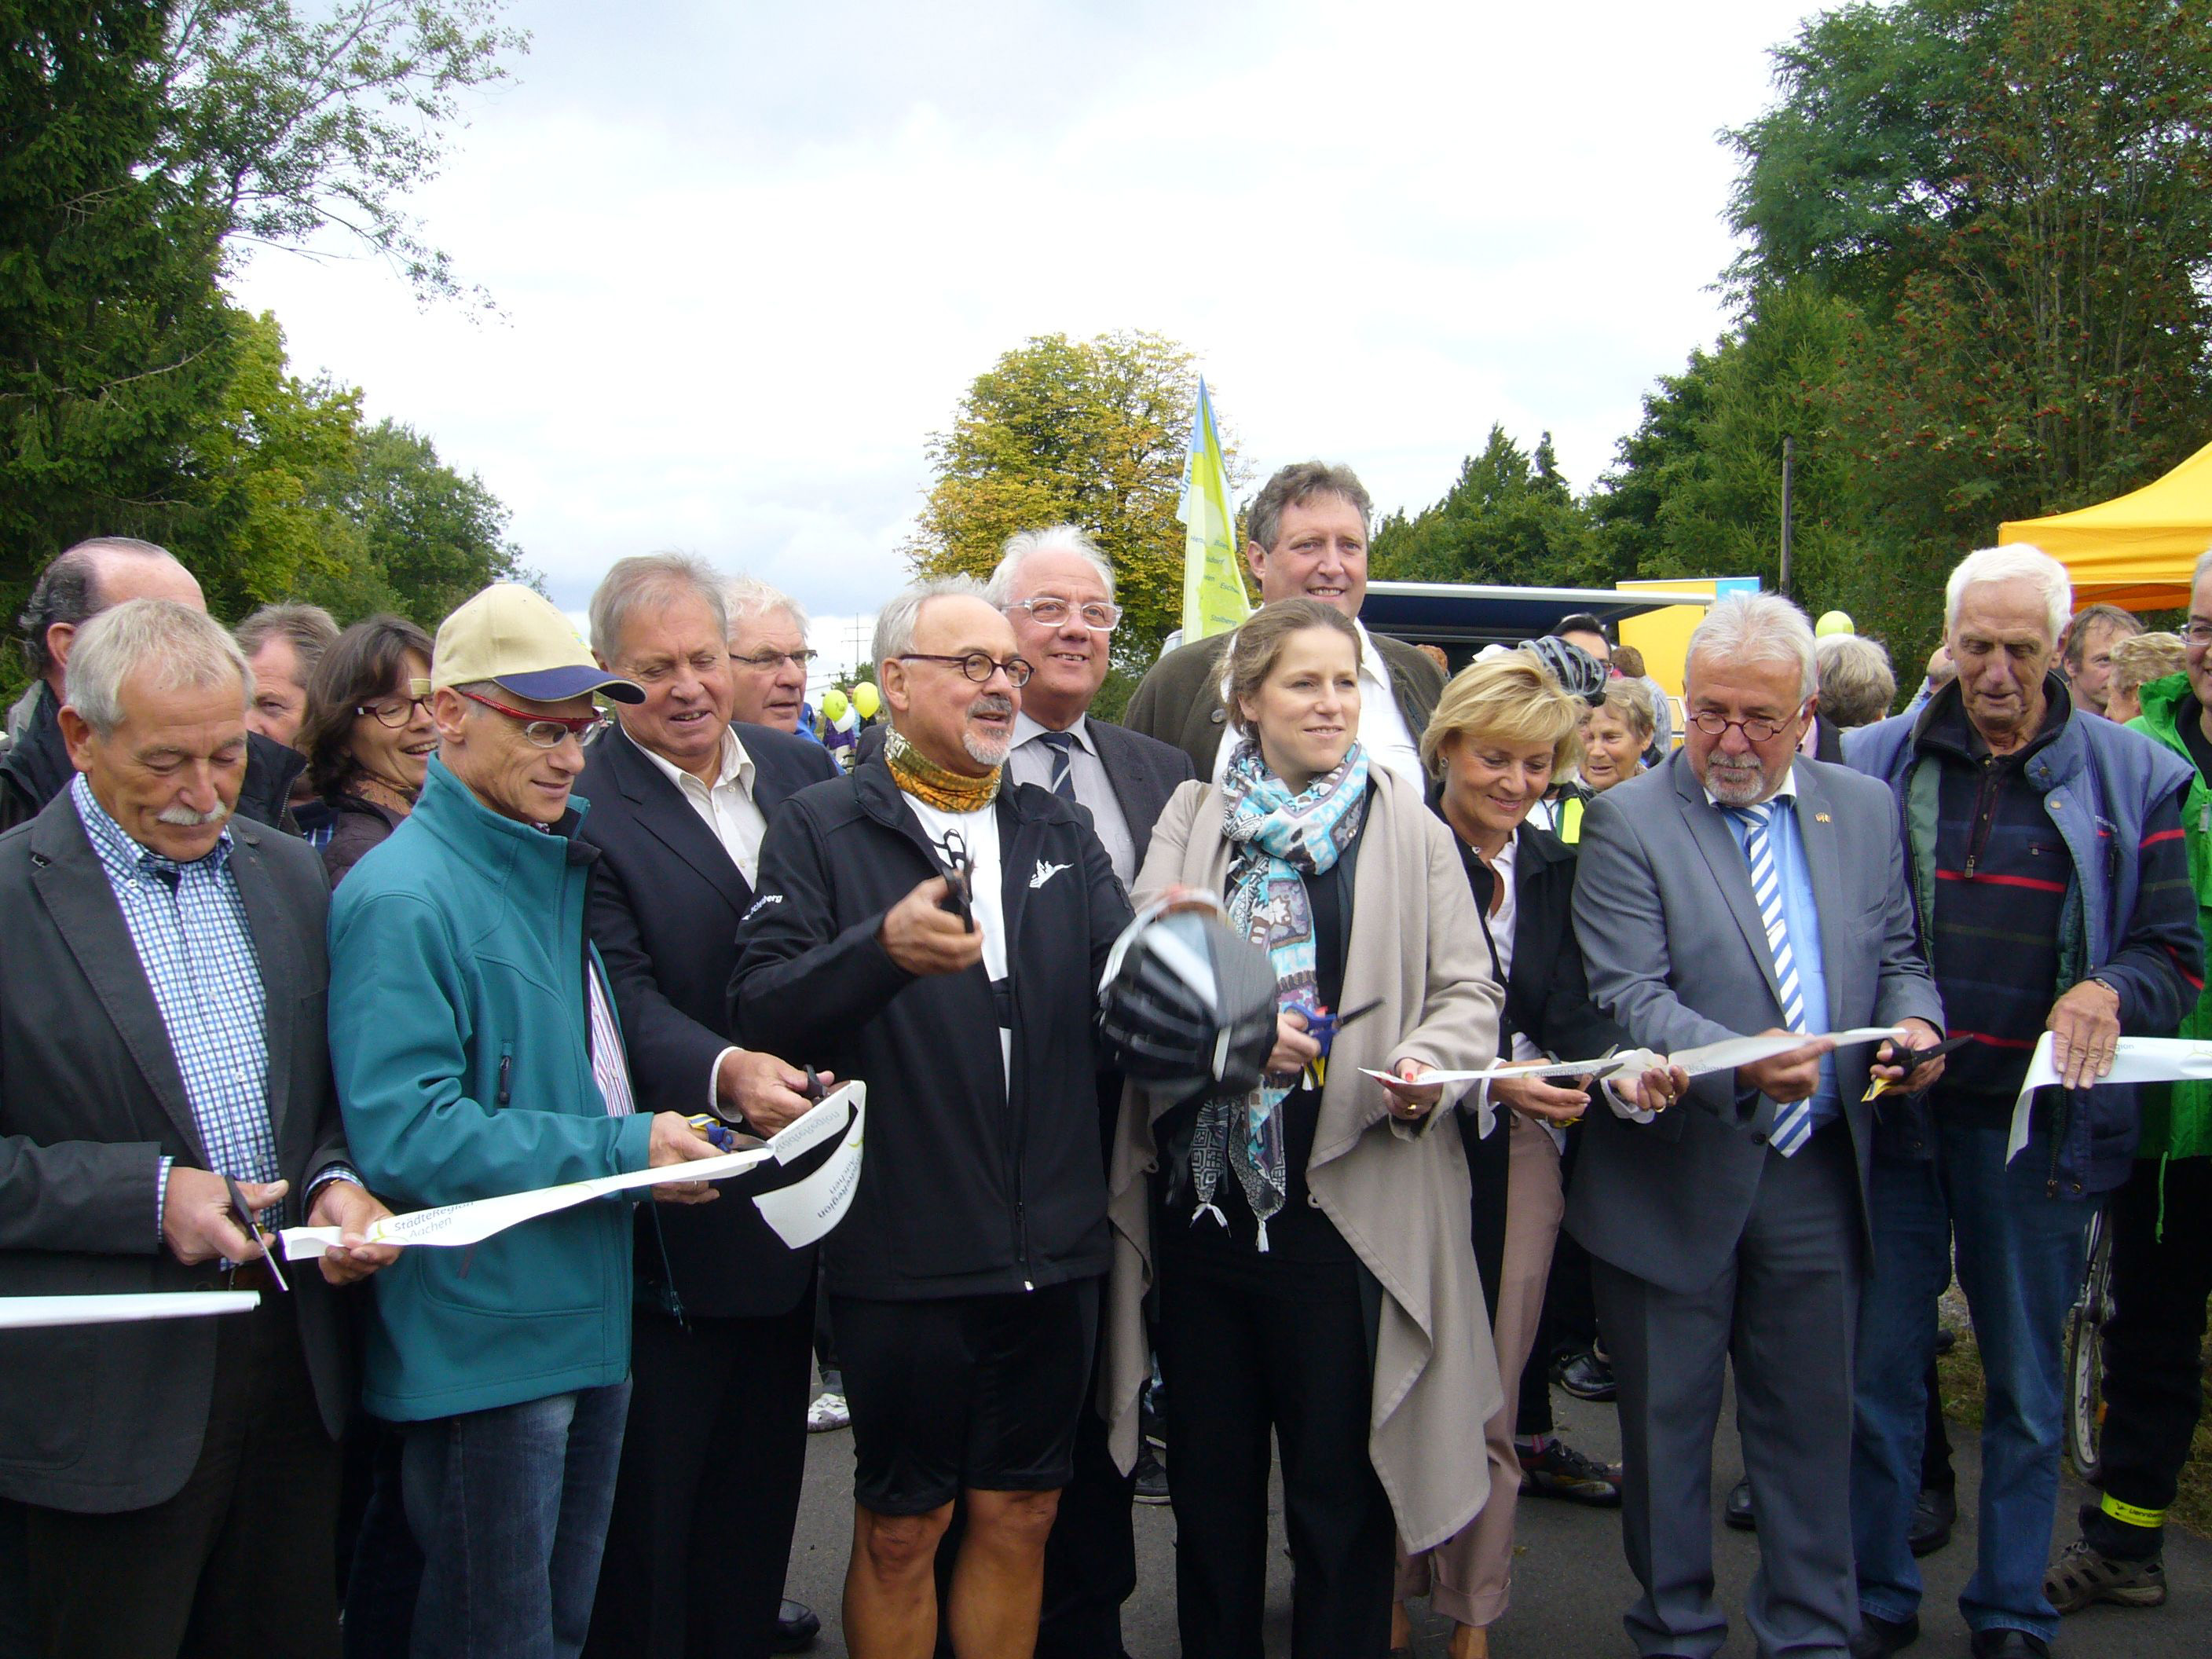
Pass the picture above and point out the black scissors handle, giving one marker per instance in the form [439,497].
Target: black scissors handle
[253,1228]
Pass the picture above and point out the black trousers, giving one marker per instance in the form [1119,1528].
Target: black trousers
[1264,1344]
[708,1495]
[239,1561]
[2154,1343]
[1090,1560]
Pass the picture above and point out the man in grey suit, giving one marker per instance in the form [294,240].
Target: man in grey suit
[172,1487]
[1741,888]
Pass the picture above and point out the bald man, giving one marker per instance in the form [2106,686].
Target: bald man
[78,584]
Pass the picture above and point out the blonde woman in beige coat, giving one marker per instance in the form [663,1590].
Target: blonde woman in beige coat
[1311,1244]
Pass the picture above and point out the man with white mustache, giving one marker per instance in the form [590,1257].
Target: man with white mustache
[937,929]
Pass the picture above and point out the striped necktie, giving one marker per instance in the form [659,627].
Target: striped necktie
[1793,1124]
[1062,744]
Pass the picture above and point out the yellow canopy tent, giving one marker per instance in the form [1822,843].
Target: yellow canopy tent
[2135,550]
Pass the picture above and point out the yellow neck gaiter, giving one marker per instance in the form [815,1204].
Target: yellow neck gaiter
[935,786]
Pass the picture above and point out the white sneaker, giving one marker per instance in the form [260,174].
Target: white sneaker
[828,1411]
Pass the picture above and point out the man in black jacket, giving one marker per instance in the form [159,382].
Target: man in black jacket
[721,1327]
[924,926]
[162,1056]
[75,587]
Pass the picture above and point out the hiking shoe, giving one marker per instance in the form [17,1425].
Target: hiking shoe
[1560,1471]
[2084,1574]
[1934,1514]
[1151,1478]
[828,1411]
[1586,1376]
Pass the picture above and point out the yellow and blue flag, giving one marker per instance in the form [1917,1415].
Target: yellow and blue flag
[1213,600]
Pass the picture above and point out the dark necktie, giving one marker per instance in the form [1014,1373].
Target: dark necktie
[1062,744]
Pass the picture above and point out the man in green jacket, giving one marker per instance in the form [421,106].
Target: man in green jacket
[474,1041]
[2161,1228]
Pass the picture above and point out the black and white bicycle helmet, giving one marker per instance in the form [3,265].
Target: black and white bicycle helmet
[1579,674]
[1186,1006]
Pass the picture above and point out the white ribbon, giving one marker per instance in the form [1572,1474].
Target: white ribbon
[2135,1059]
[806,1210]
[454,1225]
[1723,1056]
[19,1313]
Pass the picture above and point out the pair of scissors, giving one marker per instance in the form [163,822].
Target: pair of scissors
[1882,1085]
[725,1137]
[959,873]
[1322,1027]
[246,1215]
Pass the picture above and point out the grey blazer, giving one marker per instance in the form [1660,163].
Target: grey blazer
[99,1418]
[1677,955]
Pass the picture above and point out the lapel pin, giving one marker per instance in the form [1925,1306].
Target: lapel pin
[1820,817]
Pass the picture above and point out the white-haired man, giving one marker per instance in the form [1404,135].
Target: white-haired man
[769,655]
[2043,847]
[167,1103]
[923,926]
[1735,1223]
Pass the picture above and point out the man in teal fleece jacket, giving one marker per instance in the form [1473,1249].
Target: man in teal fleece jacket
[476,1053]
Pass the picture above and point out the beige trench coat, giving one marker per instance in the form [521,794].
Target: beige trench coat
[1397,1192]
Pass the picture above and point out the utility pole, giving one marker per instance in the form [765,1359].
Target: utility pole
[1788,467]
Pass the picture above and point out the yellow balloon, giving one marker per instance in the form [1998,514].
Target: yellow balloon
[1834,622]
[833,705]
[867,699]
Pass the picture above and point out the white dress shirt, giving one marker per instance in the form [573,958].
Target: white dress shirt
[726,807]
[1383,731]
[1031,761]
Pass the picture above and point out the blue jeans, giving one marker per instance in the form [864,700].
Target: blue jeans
[2019,1262]
[511,1507]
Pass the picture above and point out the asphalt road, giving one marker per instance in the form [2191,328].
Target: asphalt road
[1570,1584]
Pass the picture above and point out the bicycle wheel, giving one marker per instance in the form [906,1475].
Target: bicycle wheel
[2085,1356]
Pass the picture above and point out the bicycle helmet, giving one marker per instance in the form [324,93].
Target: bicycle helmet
[1186,1006]
[1579,674]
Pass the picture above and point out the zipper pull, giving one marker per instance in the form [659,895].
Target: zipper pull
[505,1078]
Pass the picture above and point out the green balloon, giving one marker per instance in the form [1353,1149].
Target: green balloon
[1834,622]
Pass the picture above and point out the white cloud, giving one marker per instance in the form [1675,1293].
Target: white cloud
[749,260]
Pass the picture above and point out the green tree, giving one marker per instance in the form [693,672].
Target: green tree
[2033,273]
[1509,517]
[1085,432]
[432,536]
[288,126]
[113,338]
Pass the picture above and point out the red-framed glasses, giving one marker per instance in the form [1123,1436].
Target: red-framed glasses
[546,731]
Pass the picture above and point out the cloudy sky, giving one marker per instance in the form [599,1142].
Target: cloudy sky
[748,257]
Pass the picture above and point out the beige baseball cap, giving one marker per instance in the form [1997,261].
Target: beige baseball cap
[512,636]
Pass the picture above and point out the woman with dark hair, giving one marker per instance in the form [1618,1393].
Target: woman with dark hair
[1316,1283]
[367,735]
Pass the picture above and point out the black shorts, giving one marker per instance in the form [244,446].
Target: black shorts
[965,1391]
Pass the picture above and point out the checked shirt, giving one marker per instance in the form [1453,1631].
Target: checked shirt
[188,924]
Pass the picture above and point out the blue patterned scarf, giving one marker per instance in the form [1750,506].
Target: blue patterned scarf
[1280,838]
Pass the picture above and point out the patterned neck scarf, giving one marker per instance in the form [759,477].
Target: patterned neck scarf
[1280,839]
[936,786]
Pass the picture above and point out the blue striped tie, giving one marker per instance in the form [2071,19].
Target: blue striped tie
[1062,744]
[1793,1124]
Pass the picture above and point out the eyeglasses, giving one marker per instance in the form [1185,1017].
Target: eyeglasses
[394,712]
[980,665]
[2198,633]
[1713,724]
[769,661]
[1048,613]
[546,731]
